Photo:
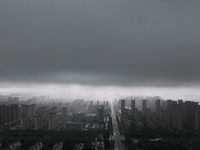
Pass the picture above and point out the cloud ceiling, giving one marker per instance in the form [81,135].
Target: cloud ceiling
[112,43]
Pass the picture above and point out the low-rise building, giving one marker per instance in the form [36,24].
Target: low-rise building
[74,125]
[99,142]
[14,146]
[58,146]
[79,146]
[37,146]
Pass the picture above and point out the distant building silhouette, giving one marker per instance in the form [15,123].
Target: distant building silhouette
[133,108]
[52,121]
[144,107]
[123,111]
[9,113]
[100,114]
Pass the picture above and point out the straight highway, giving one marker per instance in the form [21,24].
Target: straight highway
[116,134]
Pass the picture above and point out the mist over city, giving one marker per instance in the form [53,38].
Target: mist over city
[111,75]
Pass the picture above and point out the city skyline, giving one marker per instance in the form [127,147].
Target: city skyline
[101,49]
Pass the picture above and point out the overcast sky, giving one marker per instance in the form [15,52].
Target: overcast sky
[100,43]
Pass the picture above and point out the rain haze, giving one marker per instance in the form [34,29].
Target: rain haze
[101,49]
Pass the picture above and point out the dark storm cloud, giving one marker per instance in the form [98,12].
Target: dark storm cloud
[138,42]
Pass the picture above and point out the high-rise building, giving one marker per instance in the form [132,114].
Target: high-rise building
[53,109]
[4,114]
[123,117]
[38,122]
[180,101]
[64,113]
[177,117]
[148,114]
[32,110]
[158,109]
[137,115]
[23,110]
[29,110]
[133,108]
[189,114]
[52,121]
[144,106]
[14,112]
[169,104]
[9,113]
[161,113]
[197,118]
[42,111]
[100,114]
[24,122]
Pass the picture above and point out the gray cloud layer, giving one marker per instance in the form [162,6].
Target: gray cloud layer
[146,43]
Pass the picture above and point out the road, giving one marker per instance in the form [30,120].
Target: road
[116,134]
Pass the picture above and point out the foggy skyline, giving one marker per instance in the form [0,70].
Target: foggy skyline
[121,45]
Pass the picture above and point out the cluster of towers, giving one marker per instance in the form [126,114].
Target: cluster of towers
[9,113]
[30,117]
[176,114]
[41,119]
[55,120]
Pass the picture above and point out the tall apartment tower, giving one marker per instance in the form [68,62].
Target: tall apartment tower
[190,108]
[177,117]
[144,106]
[197,117]
[24,110]
[53,109]
[9,113]
[180,101]
[169,104]
[158,109]
[24,122]
[169,112]
[137,115]
[64,113]
[52,121]
[133,108]
[38,122]
[14,112]
[4,114]
[123,110]
[100,114]
[31,110]
[42,111]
